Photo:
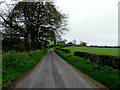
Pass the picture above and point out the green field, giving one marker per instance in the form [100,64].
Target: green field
[96,50]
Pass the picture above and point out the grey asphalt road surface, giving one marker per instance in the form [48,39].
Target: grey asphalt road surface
[53,72]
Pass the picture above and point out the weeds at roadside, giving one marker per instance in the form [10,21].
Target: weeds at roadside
[106,75]
[14,64]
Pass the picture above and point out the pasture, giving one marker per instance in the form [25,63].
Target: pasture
[96,50]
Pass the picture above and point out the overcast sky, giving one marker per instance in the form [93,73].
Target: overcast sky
[92,21]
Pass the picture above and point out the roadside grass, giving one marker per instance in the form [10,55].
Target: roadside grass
[96,50]
[104,74]
[14,64]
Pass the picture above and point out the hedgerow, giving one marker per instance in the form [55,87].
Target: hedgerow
[113,61]
[106,75]
[14,64]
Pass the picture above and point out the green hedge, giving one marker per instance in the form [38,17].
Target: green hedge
[64,50]
[106,75]
[113,61]
[14,64]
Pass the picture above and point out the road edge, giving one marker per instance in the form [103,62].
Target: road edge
[17,80]
[90,80]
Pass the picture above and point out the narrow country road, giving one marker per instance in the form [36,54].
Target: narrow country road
[53,72]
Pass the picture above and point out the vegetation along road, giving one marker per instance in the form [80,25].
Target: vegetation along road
[53,72]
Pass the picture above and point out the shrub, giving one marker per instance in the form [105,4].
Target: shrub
[14,64]
[106,75]
[113,61]
[65,50]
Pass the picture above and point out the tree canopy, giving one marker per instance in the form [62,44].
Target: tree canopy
[33,24]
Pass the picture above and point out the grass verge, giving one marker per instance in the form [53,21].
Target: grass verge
[14,64]
[104,74]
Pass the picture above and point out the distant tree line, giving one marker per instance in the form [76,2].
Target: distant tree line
[32,25]
[64,42]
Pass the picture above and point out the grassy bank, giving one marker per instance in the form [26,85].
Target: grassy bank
[14,64]
[104,74]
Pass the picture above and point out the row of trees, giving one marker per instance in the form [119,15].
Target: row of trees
[74,42]
[32,25]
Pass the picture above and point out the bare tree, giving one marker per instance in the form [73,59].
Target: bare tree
[74,41]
